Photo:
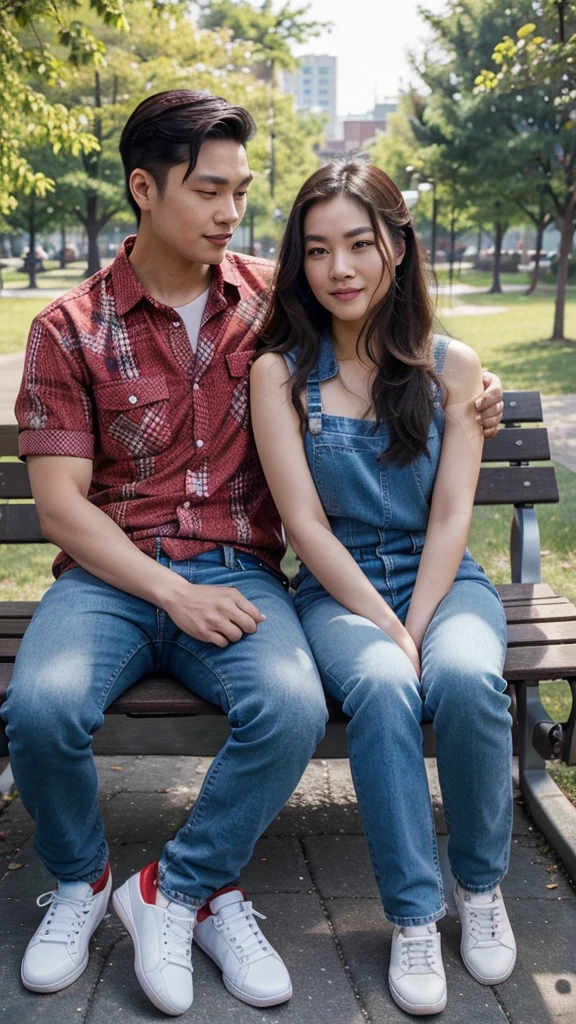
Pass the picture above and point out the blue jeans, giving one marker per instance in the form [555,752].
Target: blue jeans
[462,691]
[87,643]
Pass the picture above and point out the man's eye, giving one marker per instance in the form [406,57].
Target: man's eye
[205,192]
[242,195]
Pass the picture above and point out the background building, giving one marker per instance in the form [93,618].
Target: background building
[313,85]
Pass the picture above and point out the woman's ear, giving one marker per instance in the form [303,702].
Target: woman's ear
[400,252]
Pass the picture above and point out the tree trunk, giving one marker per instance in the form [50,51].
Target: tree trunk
[496,287]
[540,228]
[31,268]
[92,231]
[62,246]
[563,257]
[479,241]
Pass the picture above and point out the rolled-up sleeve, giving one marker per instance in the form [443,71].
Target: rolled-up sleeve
[54,407]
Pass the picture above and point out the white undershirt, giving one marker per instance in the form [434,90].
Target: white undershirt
[192,314]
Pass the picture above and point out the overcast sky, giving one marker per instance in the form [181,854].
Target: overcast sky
[370,38]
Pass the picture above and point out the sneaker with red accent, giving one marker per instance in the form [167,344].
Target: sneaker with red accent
[57,953]
[162,937]
[252,970]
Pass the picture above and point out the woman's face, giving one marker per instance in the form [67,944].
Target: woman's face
[342,264]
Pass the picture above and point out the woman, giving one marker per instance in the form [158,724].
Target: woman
[368,435]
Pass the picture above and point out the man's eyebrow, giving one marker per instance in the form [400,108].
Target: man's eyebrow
[349,234]
[214,179]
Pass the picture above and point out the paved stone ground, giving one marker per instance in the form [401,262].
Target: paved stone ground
[311,876]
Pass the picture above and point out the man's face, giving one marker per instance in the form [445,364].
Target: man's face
[195,219]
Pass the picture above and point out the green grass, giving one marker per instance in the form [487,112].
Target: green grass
[16,315]
[481,279]
[52,277]
[514,344]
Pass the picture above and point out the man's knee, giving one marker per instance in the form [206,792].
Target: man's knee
[49,711]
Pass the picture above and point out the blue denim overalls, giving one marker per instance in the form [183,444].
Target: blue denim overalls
[380,511]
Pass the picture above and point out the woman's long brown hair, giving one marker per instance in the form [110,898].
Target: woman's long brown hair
[397,337]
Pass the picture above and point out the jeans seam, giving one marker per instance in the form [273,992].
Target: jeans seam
[125,661]
[194,654]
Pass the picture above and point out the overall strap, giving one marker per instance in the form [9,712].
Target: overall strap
[314,402]
[441,343]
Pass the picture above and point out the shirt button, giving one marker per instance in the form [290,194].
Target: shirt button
[199,443]
[132,399]
[186,504]
[175,323]
[195,386]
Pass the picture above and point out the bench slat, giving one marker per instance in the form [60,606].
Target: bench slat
[540,613]
[557,661]
[14,482]
[524,591]
[8,439]
[516,485]
[517,445]
[542,633]
[13,627]
[19,524]
[522,407]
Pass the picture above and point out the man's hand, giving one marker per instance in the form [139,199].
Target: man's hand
[215,614]
[490,404]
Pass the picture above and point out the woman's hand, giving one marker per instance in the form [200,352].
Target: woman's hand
[402,638]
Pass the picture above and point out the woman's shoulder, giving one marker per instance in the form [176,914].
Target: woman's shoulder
[271,367]
[461,367]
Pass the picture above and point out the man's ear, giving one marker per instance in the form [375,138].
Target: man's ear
[143,187]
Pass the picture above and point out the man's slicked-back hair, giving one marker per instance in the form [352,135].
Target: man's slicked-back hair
[170,127]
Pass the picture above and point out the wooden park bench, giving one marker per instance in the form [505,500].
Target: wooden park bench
[160,716]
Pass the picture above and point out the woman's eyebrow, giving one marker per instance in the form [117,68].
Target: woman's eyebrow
[348,234]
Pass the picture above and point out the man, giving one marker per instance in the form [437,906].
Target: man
[134,421]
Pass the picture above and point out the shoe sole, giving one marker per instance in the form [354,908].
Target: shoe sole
[125,914]
[416,1010]
[56,986]
[242,996]
[488,981]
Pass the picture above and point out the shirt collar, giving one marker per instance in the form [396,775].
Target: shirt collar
[128,290]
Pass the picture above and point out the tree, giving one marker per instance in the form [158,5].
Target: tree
[542,57]
[28,58]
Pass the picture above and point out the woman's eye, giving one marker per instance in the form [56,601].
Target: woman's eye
[316,252]
[361,243]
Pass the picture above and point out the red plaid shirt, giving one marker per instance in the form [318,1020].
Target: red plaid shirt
[110,375]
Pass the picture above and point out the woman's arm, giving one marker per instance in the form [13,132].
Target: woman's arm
[279,442]
[453,495]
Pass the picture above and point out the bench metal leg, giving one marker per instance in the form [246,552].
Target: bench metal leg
[525,563]
[551,810]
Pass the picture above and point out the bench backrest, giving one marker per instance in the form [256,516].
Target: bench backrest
[515,483]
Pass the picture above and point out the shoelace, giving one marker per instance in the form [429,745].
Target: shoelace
[66,917]
[485,924]
[177,939]
[418,953]
[243,933]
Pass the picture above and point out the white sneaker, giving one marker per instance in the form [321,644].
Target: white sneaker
[57,953]
[162,938]
[488,946]
[416,977]
[251,968]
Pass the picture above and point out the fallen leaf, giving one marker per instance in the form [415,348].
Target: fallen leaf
[13,866]
[161,790]
[116,768]
[552,885]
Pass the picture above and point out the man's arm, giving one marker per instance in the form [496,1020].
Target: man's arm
[60,484]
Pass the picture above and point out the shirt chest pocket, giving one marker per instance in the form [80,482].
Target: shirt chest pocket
[239,364]
[134,416]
